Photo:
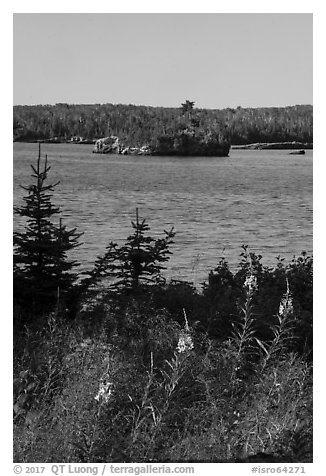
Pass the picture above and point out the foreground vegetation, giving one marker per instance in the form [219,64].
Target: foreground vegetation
[118,365]
[138,378]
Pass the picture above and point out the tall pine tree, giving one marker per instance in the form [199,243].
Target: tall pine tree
[42,270]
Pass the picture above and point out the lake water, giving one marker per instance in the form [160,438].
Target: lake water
[259,198]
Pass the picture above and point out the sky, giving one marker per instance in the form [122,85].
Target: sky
[217,60]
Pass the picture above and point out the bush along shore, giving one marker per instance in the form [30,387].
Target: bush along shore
[119,365]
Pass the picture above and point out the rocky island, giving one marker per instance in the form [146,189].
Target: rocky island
[183,144]
[188,137]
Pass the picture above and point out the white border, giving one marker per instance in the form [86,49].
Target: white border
[168,6]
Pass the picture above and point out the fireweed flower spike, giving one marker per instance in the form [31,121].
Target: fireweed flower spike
[185,342]
[286,304]
[186,321]
[105,391]
[251,283]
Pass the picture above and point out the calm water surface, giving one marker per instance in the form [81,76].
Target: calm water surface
[259,198]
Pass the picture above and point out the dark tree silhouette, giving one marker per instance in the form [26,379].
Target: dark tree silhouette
[187,106]
[42,271]
[139,261]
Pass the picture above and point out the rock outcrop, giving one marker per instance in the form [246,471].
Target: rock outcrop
[107,145]
[298,152]
[112,145]
[144,150]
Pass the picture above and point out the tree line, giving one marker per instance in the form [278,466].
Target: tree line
[139,125]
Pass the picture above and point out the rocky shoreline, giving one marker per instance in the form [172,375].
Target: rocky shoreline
[111,145]
[275,145]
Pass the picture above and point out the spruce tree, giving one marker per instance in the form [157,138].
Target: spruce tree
[136,263]
[42,271]
[140,259]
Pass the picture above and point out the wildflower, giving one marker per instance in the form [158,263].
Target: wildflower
[85,343]
[286,304]
[251,283]
[187,329]
[105,391]
[185,342]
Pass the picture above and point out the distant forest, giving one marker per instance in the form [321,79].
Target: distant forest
[139,125]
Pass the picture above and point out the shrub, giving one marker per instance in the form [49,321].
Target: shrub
[225,293]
